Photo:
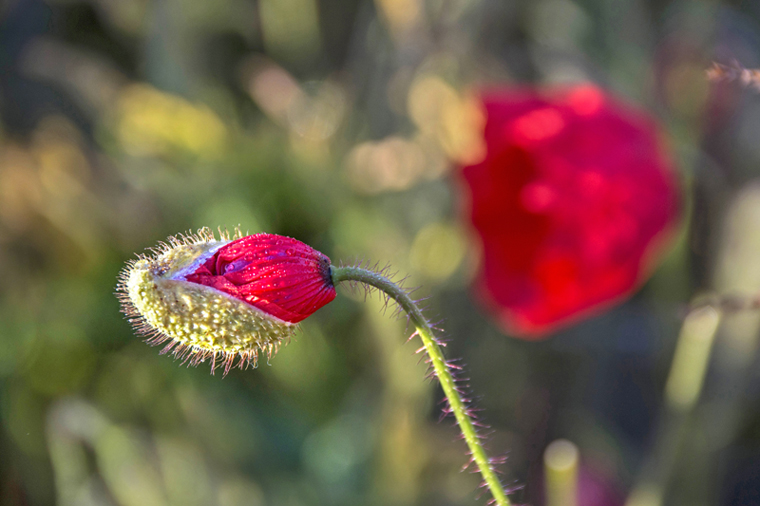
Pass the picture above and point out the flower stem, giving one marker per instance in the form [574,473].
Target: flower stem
[440,366]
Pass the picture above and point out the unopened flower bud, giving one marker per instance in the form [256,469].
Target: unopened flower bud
[218,299]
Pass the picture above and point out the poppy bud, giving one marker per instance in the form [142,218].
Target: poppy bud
[218,299]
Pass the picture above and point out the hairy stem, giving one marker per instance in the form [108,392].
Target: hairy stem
[440,366]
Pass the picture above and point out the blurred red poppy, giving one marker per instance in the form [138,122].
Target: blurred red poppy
[572,202]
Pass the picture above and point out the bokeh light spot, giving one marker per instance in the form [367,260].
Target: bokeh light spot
[585,100]
[438,249]
[538,125]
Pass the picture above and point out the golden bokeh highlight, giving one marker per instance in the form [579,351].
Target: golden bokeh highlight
[393,164]
[150,122]
[454,120]
[438,250]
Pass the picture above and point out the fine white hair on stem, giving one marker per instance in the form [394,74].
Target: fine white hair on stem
[457,400]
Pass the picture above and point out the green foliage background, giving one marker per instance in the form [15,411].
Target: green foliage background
[340,123]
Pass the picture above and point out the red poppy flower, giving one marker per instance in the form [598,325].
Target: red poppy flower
[279,275]
[571,202]
[221,299]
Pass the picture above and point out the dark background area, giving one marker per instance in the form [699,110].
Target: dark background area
[341,123]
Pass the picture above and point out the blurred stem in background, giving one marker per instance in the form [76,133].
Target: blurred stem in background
[724,410]
[713,426]
[682,390]
[440,367]
[561,473]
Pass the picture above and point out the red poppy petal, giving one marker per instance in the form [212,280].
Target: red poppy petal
[279,275]
[572,199]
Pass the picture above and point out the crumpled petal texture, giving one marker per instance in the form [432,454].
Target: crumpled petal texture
[572,203]
[281,276]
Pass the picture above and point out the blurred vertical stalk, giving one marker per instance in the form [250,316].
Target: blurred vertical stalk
[561,473]
[440,367]
[164,54]
[682,391]
[737,273]
[715,424]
